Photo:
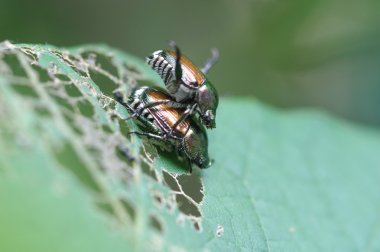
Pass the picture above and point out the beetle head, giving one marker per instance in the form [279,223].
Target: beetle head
[195,147]
[207,99]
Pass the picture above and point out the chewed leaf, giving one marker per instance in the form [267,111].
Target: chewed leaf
[72,179]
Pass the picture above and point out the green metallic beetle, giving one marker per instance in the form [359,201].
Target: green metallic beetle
[187,84]
[188,138]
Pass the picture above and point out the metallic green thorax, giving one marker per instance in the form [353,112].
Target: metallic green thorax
[189,139]
[207,99]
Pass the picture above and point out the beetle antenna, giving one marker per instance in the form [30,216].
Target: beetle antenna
[211,61]
[177,67]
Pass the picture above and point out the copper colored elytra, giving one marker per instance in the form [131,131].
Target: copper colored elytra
[166,111]
[190,72]
[188,139]
[187,84]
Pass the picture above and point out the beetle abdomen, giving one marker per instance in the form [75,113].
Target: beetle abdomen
[163,67]
[163,62]
[136,103]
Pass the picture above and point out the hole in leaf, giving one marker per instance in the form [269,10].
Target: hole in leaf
[186,206]
[197,225]
[44,112]
[86,108]
[42,73]
[62,77]
[219,231]
[25,90]
[192,186]
[107,129]
[148,170]
[105,207]
[12,61]
[67,157]
[63,102]
[71,61]
[158,198]
[131,68]
[171,181]
[72,124]
[155,223]
[72,90]
[101,60]
[131,211]
[106,85]
[31,55]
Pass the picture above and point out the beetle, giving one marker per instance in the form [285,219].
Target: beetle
[187,84]
[188,138]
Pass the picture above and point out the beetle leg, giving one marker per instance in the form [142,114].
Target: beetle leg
[147,134]
[119,98]
[190,166]
[175,104]
[184,115]
[153,104]
[211,61]
[177,67]
[181,119]
[170,103]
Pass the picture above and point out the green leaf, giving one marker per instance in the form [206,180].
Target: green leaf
[43,210]
[282,180]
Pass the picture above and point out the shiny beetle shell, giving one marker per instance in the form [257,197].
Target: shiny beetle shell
[193,87]
[189,138]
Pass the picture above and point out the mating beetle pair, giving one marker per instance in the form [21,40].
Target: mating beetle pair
[189,138]
[168,119]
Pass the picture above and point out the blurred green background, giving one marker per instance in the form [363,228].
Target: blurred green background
[290,53]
